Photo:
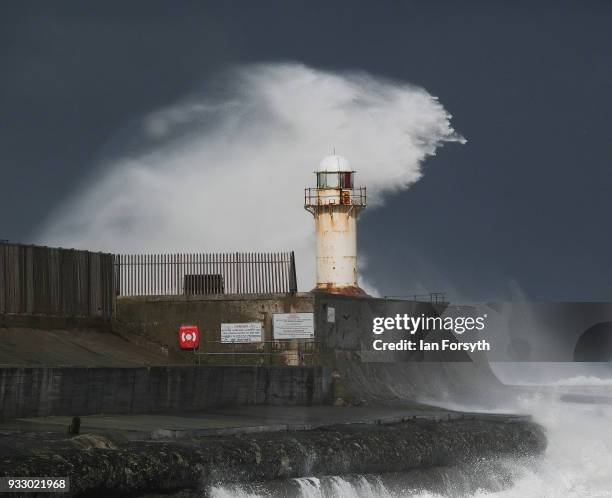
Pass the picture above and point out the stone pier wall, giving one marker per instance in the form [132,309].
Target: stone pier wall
[158,318]
[33,392]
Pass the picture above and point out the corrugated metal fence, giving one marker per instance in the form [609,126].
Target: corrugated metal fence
[219,273]
[39,280]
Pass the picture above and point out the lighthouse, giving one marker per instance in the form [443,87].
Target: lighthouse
[336,204]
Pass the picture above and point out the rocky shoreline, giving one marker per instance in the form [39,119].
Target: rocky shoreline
[106,463]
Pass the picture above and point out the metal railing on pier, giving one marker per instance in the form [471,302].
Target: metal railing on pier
[432,297]
[205,273]
[296,352]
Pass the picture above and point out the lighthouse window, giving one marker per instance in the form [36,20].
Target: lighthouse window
[321,183]
[346,180]
[327,180]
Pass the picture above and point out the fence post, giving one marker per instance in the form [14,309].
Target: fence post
[292,275]
[238,274]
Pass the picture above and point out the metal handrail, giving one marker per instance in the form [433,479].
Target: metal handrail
[276,344]
[432,297]
[345,196]
[268,352]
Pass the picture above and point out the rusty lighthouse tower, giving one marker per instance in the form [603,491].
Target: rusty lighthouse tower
[335,204]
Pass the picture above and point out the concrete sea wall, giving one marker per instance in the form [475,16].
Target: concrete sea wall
[344,323]
[343,331]
[32,392]
[400,376]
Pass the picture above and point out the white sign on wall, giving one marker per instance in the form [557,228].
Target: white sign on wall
[241,332]
[293,325]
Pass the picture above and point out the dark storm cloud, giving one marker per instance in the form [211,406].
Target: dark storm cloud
[525,201]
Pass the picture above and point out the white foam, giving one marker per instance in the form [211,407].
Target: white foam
[227,171]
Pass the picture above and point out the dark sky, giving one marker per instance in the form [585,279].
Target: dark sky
[523,207]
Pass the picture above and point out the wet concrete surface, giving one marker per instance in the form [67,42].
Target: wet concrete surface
[82,347]
[237,420]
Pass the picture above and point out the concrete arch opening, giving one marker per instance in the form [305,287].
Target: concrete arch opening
[595,344]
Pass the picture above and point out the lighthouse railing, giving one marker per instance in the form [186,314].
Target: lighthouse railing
[335,196]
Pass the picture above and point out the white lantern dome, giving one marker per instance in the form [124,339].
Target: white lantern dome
[334,163]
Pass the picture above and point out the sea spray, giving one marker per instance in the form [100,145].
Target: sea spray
[225,171]
[576,464]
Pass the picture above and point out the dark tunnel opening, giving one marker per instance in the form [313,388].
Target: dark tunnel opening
[595,344]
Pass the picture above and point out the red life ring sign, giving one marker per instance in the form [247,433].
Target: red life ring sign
[189,337]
